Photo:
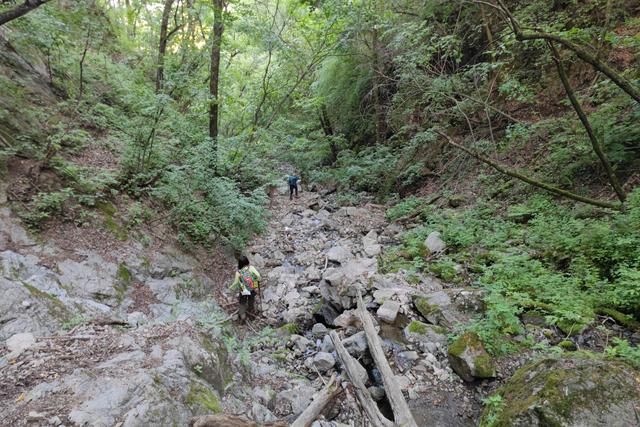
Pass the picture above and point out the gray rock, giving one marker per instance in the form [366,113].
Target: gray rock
[265,396]
[301,343]
[388,311]
[356,344]
[93,277]
[434,243]
[323,361]
[438,308]
[136,318]
[339,254]
[469,359]
[261,414]
[377,393]
[427,337]
[18,343]
[295,400]
[346,319]
[370,244]
[327,345]
[319,330]
[410,356]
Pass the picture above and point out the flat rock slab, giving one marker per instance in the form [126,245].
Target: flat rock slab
[388,311]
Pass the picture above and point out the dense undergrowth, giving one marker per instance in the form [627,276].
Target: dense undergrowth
[541,256]
[154,154]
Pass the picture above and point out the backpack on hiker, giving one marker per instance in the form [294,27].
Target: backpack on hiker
[248,282]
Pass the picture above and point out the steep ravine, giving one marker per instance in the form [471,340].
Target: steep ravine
[144,337]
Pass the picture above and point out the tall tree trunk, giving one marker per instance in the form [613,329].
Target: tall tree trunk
[162,45]
[18,11]
[130,18]
[216,44]
[377,68]
[84,55]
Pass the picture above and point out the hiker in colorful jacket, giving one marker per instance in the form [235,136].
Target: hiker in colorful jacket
[247,282]
[293,185]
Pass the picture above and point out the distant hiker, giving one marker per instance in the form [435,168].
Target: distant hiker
[248,283]
[293,185]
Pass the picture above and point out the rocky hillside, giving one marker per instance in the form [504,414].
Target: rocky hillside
[145,340]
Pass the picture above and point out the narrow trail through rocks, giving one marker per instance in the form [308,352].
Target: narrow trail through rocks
[314,258]
[145,337]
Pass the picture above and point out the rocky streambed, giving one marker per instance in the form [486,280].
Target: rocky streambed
[146,338]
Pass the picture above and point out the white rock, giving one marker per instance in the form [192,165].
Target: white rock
[434,243]
[388,311]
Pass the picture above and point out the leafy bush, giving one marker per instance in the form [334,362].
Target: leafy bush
[535,256]
[623,350]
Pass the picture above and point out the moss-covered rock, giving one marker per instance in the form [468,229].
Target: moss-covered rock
[570,391]
[431,312]
[456,200]
[424,334]
[469,359]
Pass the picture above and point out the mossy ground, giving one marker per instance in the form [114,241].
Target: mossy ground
[199,395]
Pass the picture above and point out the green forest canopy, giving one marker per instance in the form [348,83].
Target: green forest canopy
[386,97]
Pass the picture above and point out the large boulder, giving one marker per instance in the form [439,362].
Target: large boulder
[569,392]
[469,359]
[340,284]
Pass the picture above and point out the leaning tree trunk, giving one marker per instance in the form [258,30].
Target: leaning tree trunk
[215,74]
[595,142]
[18,11]
[162,45]
[551,188]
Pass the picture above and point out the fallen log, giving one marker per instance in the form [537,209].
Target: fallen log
[401,412]
[320,401]
[362,393]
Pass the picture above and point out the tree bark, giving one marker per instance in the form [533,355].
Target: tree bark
[595,142]
[130,18]
[377,71]
[362,393]
[18,11]
[162,45]
[216,45]
[320,401]
[551,188]
[401,411]
[84,55]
